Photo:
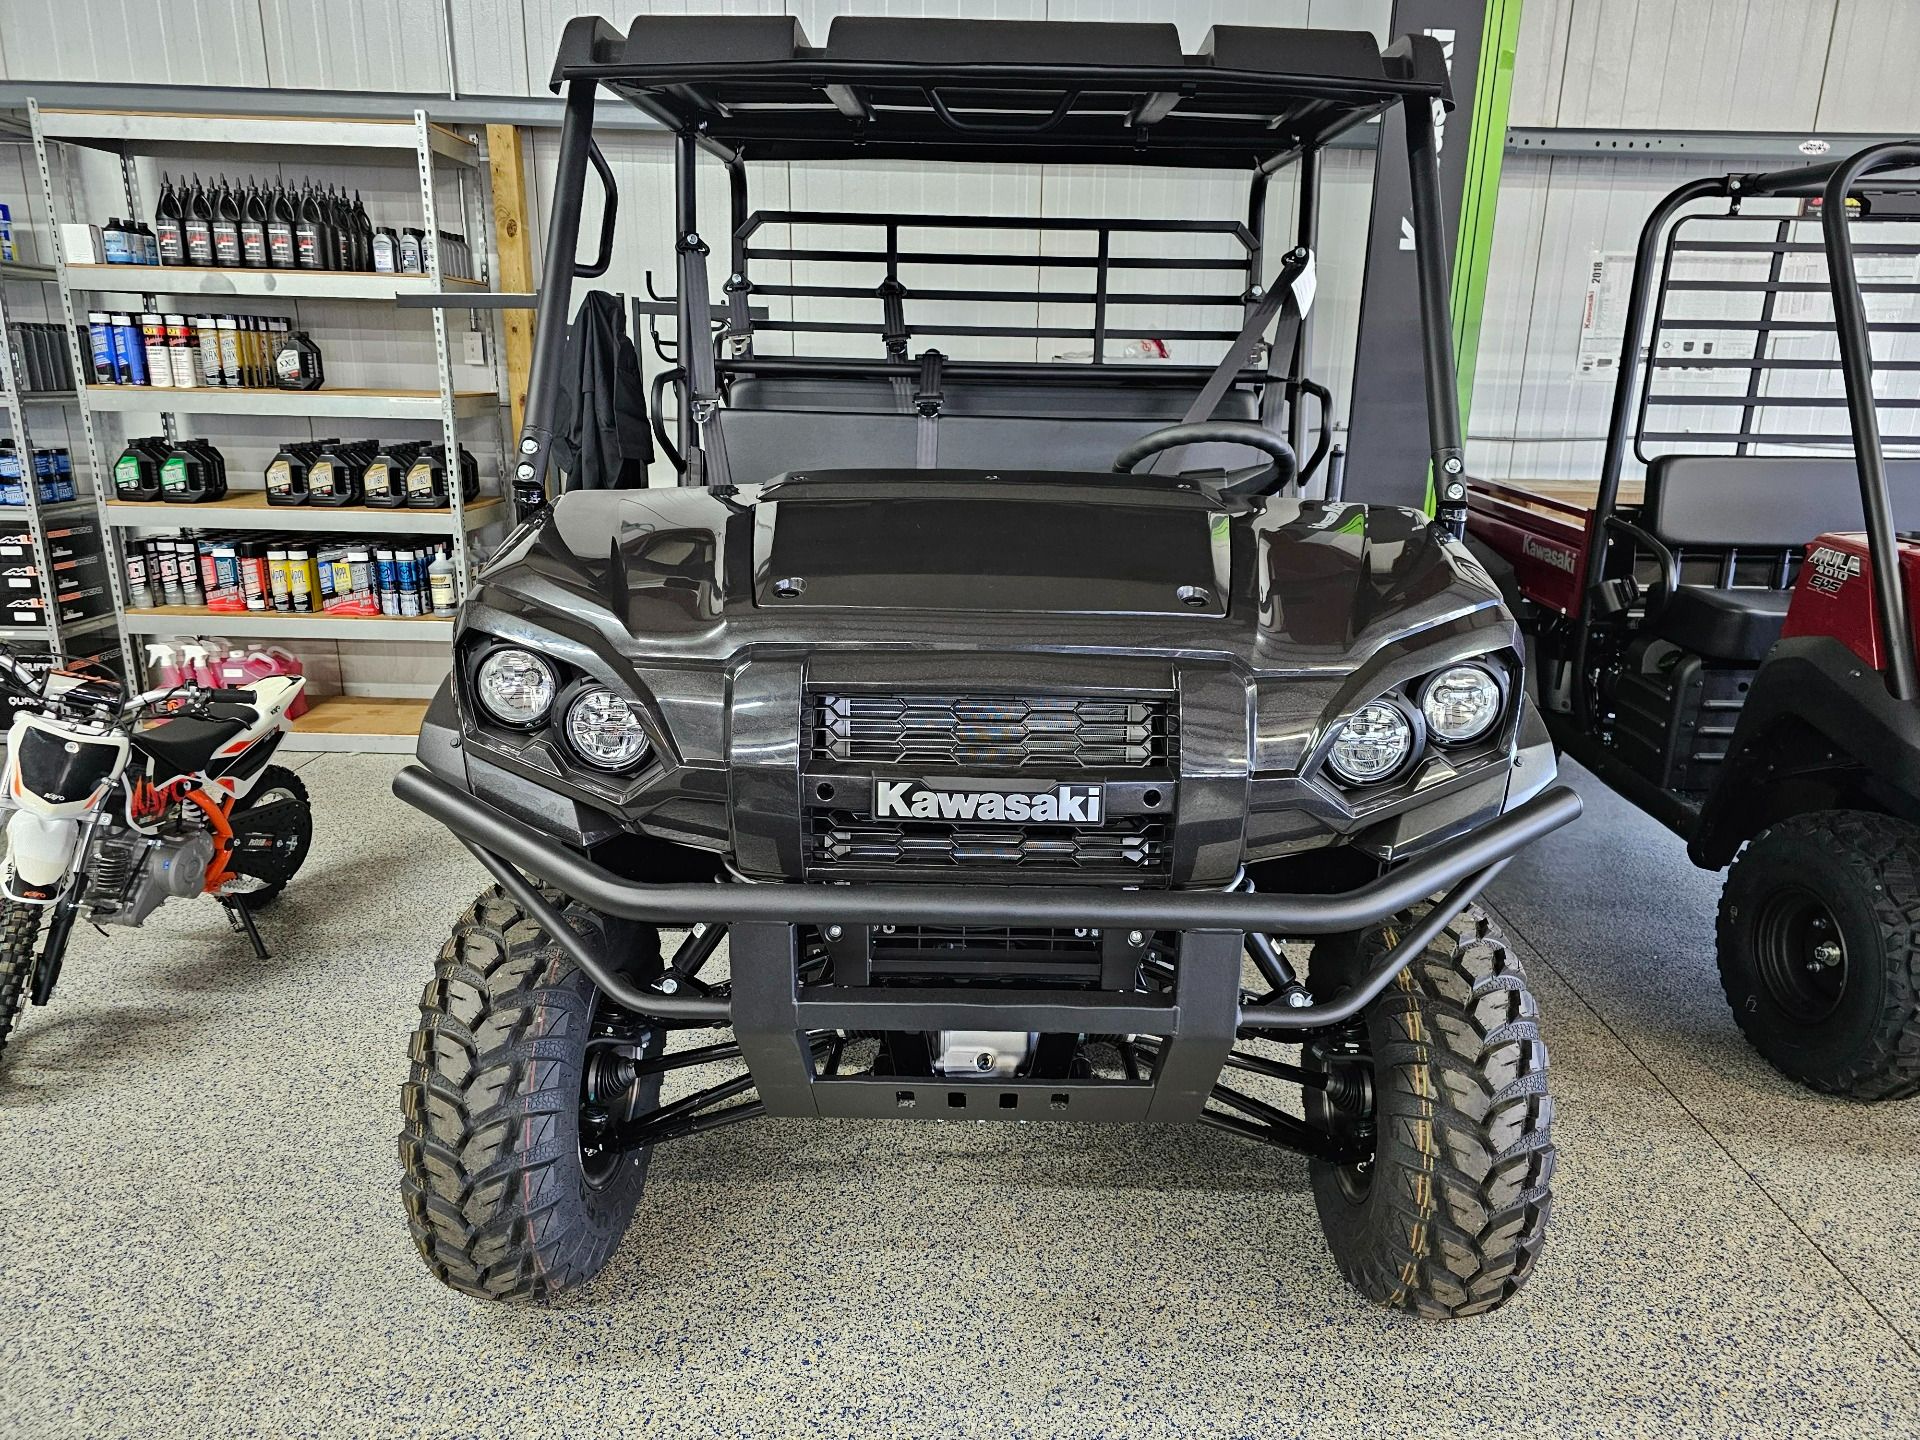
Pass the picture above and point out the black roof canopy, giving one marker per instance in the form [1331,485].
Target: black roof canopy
[1009,90]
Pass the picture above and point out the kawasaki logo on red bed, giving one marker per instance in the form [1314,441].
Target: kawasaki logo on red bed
[957,800]
[1830,569]
[1560,557]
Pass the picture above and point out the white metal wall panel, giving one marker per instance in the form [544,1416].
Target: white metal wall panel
[1540,57]
[491,55]
[356,45]
[208,42]
[1704,64]
[1873,68]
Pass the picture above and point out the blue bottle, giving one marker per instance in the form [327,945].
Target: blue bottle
[129,351]
[100,340]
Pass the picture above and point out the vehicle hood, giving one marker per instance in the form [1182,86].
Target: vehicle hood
[972,560]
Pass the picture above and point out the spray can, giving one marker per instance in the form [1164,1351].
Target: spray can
[170,591]
[153,341]
[304,576]
[407,581]
[279,586]
[186,564]
[129,356]
[139,590]
[100,342]
[182,357]
[386,579]
[207,337]
[254,582]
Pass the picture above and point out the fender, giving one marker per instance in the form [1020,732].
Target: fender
[1818,732]
[39,852]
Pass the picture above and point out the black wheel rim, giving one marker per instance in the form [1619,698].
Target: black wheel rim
[1801,954]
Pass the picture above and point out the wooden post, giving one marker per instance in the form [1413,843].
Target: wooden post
[506,159]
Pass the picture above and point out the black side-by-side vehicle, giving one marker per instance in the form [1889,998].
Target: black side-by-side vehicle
[1034,745]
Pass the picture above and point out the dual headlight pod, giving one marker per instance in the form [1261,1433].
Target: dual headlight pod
[517,688]
[1456,705]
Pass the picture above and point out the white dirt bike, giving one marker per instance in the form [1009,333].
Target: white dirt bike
[115,803]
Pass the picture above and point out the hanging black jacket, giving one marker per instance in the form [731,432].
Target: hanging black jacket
[601,437]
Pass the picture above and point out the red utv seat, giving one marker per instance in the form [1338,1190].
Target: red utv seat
[1752,503]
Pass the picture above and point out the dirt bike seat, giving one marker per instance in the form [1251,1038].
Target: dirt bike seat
[184,745]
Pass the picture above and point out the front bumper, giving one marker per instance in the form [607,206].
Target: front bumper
[774,1017]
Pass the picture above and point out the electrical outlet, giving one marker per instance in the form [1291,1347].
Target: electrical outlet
[474,347]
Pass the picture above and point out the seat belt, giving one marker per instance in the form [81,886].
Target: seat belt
[927,401]
[707,461]
[1290,298]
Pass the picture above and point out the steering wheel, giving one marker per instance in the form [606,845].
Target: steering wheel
[1261,480]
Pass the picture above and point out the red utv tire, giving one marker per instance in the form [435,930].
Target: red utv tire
[1819,949]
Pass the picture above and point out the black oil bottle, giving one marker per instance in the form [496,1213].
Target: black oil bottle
[385,482]
[296,362]
[362,235]
[226,228]
[136,474]
[287,474]
[167,225]
[198,224]
[340,216]
[253,228]
[311,239]
[337,471]
[282,249]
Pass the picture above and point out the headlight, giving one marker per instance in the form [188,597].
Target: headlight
[1373,743]
[1461,702]
[515,686]
[604,731]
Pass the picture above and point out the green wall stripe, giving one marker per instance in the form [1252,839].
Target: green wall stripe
[1486,142]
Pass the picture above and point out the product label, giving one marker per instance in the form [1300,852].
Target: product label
[280,478]
[280,244]
[308,241]
[320,478]
[253,245]
[173,250]
[287,364]
[173,478]
[126,474]
[226,244]
[199,242]
[420,478]
[378,480]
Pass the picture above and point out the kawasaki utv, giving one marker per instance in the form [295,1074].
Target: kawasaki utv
[1731,646]
[1036,750]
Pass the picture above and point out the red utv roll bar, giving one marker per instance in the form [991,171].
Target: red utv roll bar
[1833,181]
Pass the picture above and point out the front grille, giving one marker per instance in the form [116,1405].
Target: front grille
[1129,846]
[1056,734]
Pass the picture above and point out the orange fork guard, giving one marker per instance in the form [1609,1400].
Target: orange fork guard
[216,812]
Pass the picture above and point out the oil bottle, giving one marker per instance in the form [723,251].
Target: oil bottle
[253,228]
[198,225]
[282,248]
[226,228]
[167,225]
[385,481]
[296,362]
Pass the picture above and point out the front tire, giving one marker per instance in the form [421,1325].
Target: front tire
[1449,1214]
[19,953]
[506,1198]
[1819,950]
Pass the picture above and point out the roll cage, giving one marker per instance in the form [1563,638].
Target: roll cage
[746,89]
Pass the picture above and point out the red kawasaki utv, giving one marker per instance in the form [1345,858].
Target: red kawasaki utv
[1735,651]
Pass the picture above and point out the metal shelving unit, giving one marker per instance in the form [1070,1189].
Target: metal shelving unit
[249,284]
[57,635]
[433,148]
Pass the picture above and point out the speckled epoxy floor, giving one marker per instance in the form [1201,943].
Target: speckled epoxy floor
[202,1234]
